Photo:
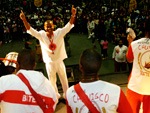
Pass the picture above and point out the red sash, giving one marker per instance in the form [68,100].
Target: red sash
[85,98]
[38,99]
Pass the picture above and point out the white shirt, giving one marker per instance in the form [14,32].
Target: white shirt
[15,96]
[102,94]
[139,52]
[92,25]
[120,56]
[58,39]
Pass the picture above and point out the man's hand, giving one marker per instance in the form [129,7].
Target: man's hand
[22,16]
[73,11]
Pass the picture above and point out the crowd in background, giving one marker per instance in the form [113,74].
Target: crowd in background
[115,20]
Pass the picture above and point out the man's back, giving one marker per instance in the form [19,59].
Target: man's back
[16,97]
[105,97]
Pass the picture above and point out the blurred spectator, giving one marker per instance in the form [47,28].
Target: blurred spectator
[119,56]
[14,27]
[6,33]
[100,31]
[105,47]
[1,32]
[107,23]
[90,27]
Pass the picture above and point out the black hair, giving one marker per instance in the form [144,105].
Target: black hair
[26,59]
[90,61]
[147,25]
[2,68]
[147,28]
[37,41]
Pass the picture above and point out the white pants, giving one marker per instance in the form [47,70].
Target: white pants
[57,67]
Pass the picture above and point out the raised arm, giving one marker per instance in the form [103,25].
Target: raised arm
[73,11]
[23,18]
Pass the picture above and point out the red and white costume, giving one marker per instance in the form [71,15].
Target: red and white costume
[105,97]
[139,82]
[54,62]
[15,96]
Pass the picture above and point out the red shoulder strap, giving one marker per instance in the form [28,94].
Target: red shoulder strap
[85,98]
[35,95]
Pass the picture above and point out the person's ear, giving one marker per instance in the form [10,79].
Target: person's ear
[80,67]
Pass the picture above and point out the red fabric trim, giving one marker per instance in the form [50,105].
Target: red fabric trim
[38,99]
[130,53]
[85,98]
[69,110]
[46,107]
[123,106]
[12,96]
[16,97]
[10,60]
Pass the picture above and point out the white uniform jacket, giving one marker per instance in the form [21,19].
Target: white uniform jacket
[139,52]
[15,96]
[106,97]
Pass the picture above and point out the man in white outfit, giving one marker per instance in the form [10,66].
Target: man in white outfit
[119,56]
[53,48]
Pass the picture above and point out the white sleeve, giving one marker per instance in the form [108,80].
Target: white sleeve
[35,33]
[66,28]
